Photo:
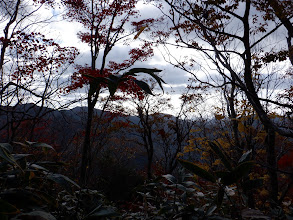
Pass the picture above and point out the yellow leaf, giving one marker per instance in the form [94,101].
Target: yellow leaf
[139,32]
[219,117]
[32,175]
[217,162]
[241,127]
[264,193]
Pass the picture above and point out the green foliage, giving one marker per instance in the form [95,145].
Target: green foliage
[198,170]
[102,212]
[7,209]
[30,190]
[5,153]
[221,155]
[113,81]
[150,72]
[24,180]
[224,178]
[63,181]
[245,156]
[171,197]
[84,204]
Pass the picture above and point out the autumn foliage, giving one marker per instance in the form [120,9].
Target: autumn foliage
[36,54]
[225,152]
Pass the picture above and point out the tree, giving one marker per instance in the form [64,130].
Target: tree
[163,136]
[150,122]
[184,124]
[232,36]
[31,66]
[105,23]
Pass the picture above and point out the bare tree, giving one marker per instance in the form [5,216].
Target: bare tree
[233,37]
[106,24]
[31,66]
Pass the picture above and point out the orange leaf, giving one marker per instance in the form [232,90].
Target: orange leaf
[219,117]
[139,32]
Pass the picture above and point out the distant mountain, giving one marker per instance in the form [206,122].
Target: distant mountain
[58,127]
[63,129]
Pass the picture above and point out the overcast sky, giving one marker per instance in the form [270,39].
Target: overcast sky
[66,34]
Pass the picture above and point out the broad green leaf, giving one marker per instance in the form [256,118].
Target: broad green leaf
[102,212]
[40,145]
[171,178]
[222,174]
[180,186]
[190,183]
[151,72]
[20,156]
[229,179]
[220,196]
[113,83]
[211,210]
[221,155]
[165,209]
[197,170]
[22,198]
[96,83]
[112,87]
[133,71]
[7,147]
[7,156]
[63,181]
[157,78]
[19,143]
[40,215]
[245,156]
[46,198]
[215,217]
[190,190]
[8,209]
[114,78]
[51,163]
[240,171]
[13,173]
[184,197]
[89,76]
[144,86]
[38,167]
[252,184]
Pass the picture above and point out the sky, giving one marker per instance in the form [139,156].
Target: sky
[66,34]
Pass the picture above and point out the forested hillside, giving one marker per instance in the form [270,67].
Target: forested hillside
[146,109]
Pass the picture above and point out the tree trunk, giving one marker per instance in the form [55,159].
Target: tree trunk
[255,101]
[85,160]
[272,164]
[149,167]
